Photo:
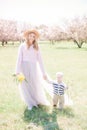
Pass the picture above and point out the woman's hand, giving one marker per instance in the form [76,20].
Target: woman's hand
[45,77]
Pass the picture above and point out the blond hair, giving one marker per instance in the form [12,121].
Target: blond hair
[58,74]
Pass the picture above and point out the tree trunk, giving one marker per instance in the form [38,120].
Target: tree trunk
[6,42]
[3,43]
[52,42]
[12,43]
[79,45]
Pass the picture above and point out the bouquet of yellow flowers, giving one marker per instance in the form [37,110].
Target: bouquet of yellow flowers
[20,77]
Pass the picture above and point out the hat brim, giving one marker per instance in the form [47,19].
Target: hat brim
[26,34]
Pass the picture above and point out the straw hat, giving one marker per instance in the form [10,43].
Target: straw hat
[26,34]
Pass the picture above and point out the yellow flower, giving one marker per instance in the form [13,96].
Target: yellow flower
[20,77]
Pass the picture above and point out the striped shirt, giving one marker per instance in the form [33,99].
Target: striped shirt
[59,88]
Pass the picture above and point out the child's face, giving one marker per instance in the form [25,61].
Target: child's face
[59,78]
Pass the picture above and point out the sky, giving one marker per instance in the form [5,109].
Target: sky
[42,11]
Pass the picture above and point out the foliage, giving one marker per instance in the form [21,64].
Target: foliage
[74,29]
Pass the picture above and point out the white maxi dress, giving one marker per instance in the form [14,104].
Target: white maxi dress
[29,62]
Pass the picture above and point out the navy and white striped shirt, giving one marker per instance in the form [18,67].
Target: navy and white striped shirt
[59,88]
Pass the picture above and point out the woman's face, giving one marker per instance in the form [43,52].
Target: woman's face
[31,38]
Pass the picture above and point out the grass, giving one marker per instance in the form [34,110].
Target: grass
[65,57]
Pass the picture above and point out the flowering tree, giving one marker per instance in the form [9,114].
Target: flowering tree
[12,30]
[8,31]
[77,31]
[54,33]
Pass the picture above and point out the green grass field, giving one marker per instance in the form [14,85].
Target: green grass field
[65,57]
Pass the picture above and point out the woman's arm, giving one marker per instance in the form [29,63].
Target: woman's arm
[19,61]
[40,61]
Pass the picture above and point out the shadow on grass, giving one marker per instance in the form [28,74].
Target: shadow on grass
[42,117]
[65,48]
[71,48]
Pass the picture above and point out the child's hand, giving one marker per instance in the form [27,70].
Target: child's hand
[67,87]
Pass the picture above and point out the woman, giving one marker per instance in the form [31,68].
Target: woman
[29,62]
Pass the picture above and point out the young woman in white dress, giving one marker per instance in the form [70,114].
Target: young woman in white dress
[29,62]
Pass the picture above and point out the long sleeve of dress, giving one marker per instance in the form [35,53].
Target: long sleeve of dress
[19,61]
[39,57]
